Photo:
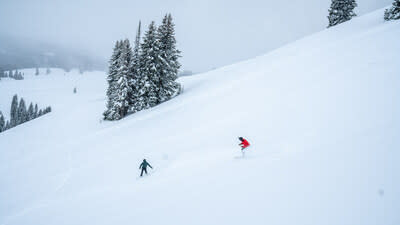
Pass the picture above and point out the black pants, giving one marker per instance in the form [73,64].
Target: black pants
[143,169]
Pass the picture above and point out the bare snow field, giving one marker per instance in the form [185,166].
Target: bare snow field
[322,115]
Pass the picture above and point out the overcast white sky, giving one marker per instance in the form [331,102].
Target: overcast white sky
[210,33]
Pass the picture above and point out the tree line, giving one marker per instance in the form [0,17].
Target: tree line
[145,76]
[343,10]
[20,114]
[14,75]
[19,75]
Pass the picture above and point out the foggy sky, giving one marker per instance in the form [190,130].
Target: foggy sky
[210,33]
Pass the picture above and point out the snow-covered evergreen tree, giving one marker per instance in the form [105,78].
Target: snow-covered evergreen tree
[36,111]
[14,112]
[2,73]
[8,125]
[112,78]
[135,73]
[2,122]
[149,81]
[169,55]
[394,12]
[31,112]
[46,110]
[124,80]
[341,11]
[22,112]
[18,76]
[119,91]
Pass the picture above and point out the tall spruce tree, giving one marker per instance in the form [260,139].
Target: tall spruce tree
[22,112]
[124,90]
[30,115]
[149,70]
[2,122]
[169,56]
[135,73]
[36,111]
[112,78]
[394,12]
[341,11]
[2,73]
[14,112]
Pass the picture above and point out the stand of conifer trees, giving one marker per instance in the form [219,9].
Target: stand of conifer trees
[20,114]
[146,76]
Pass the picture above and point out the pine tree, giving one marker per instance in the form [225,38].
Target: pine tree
[14,112]
[169,60]
[394,12]
[37,71]
[18,76]
[149,70]
[22,113]
[124,90]
[341,11]
[40,113]
[2,122]
[135,73]
[8,125]
[35,112]
[2,73]
[31,115]
[112,78]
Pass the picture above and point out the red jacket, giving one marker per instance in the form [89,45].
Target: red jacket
[245,143]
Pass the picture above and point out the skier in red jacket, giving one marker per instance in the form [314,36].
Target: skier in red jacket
[244,144]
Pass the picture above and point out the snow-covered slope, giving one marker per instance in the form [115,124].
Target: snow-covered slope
[321,115]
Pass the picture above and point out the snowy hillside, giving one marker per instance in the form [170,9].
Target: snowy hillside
[321,115]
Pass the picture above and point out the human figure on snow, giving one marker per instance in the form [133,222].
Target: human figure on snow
[244,144]
[143,166]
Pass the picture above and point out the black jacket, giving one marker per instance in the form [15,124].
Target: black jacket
[144,165]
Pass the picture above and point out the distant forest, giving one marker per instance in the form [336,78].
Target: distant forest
[20,53]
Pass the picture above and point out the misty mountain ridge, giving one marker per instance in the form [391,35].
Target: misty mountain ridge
[17,53]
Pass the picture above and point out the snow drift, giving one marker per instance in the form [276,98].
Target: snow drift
[321,115]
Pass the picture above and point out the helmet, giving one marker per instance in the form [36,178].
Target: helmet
[241,138]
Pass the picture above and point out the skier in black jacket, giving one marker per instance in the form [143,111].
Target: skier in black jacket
[143,166]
